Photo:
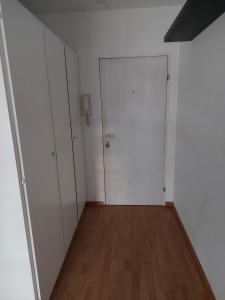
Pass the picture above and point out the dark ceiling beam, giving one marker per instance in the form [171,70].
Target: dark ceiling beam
[194,17]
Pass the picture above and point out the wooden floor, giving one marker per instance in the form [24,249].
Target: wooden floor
[129,253]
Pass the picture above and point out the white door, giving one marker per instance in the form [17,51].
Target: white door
[63,139]
[133,92]
[26,56]
[76,124]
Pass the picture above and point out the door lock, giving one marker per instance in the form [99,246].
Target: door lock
[107,144]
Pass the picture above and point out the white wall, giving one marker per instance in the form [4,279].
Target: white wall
[134,32]
[15,272]
[200,150]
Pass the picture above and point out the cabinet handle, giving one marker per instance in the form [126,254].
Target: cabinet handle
[76,137]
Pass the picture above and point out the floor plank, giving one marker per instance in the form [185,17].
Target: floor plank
[129,253]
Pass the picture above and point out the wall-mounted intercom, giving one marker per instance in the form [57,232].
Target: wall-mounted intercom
[86,108]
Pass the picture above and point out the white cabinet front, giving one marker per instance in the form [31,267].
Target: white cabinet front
[26,57]
[62,131]
[76,124]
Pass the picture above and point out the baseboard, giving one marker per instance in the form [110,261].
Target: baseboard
[95,203]
[169,205]
[199,268]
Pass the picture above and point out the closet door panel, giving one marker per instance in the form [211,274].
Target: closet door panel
[76,122]
[63,135]
[26,57]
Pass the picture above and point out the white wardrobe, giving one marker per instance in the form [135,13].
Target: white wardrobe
[42,90]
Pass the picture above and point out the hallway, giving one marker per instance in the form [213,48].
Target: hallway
[129,252]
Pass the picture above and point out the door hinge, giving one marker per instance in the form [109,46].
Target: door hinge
[168,77]
[164,189]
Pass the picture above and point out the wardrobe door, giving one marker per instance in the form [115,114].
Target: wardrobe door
[63,138]
[75,113]
[27,67]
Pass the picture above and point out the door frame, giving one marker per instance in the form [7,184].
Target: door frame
[166,116]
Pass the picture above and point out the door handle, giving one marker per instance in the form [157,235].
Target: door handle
[108,136]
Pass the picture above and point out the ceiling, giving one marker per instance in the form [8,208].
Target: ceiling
[60,6]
